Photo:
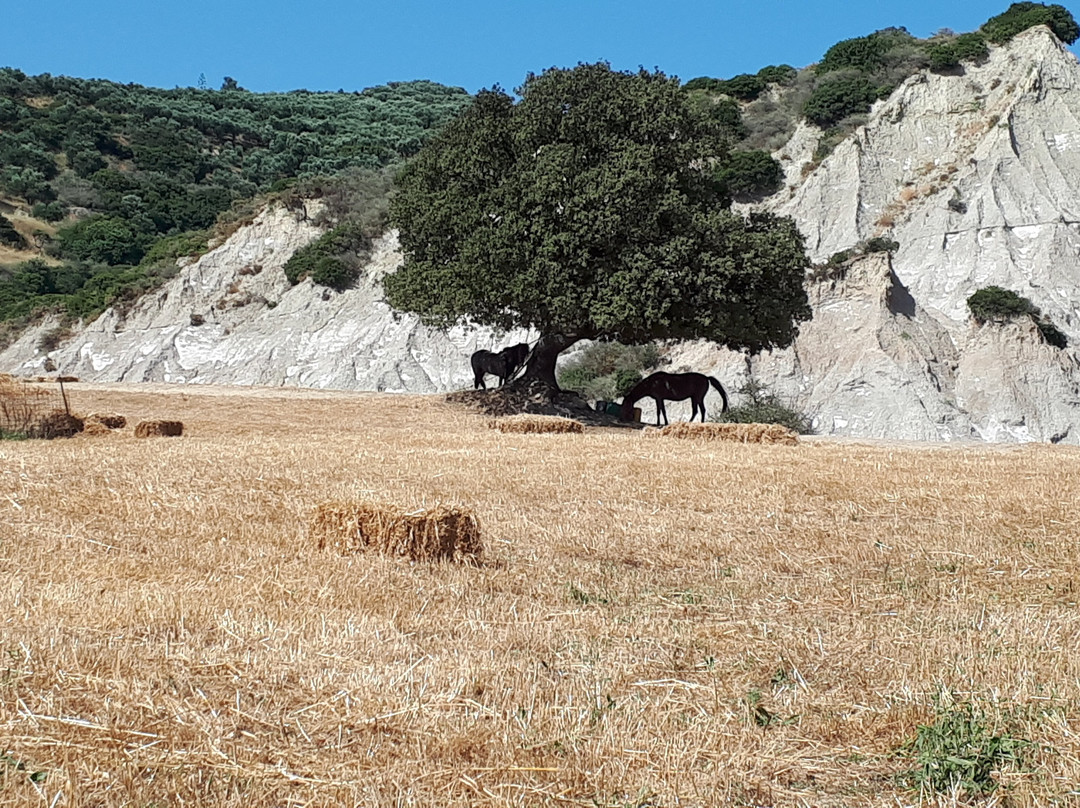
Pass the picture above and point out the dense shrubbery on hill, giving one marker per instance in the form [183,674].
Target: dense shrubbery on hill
[839,90]
[1021,16]
[139,164]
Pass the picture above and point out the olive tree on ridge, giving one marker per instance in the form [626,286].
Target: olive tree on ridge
[587,208]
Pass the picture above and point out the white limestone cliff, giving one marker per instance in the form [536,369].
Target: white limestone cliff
[232,317]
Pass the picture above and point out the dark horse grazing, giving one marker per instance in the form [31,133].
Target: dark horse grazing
[503,364]
[663,387]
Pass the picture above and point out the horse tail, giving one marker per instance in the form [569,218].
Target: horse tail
[720,389]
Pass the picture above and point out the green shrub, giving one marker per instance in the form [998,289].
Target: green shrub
[762,406]
[745,86]
[1021,16]
[704,83]
[994,304]
[9,235]
[971,47]
[778,74]
[750,175]
[959,752]
[947,56]
[105,240]
[171,248]
[879,244]
[865,54]
[836,98]
[607,370]
[334,259]
[49,211]
[869,55]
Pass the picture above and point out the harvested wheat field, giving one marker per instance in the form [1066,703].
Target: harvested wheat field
[661,623]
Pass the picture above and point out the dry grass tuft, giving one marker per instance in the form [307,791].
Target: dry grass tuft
[442,533]
[109,420]
[733,433]
[164,429]
[535,424]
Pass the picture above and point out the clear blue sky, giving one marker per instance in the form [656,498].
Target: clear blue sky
[332,44]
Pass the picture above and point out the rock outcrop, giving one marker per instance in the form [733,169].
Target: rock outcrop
[232,317]
[977,177]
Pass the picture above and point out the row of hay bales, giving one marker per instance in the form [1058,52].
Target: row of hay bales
[734,433]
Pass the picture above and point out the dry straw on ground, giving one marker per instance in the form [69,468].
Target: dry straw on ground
[535,424]
[164,429]
[441,533]
[766,626]
[733,433]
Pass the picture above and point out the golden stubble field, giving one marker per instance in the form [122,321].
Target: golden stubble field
[658,622]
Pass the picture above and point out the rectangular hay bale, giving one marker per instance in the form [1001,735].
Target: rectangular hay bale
[734,433]
[536,424]
[166,429]
[440,533]
[110,420]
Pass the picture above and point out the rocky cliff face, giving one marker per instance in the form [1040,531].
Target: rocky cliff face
[232,317]
[978,179]
[976,176]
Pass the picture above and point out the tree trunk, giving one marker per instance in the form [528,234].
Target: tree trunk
[541,364]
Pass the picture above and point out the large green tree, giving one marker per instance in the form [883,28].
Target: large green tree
[588,209]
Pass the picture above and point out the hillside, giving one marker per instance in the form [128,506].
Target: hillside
[116,181]
[1002,139]
[972,172]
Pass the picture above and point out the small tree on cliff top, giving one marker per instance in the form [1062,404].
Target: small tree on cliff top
[587,209]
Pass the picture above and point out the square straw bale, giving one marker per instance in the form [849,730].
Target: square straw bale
[441,533]
[95,429]
[166,429]
[733,433]
[535,424]
[109,420]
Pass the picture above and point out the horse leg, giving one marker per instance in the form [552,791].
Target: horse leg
[660,411]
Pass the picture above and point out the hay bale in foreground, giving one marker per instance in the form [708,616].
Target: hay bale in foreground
[442,533]
[734,433]
[164,429]
[109,420]
[535,424]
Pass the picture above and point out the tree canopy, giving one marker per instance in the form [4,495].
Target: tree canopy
[587,208]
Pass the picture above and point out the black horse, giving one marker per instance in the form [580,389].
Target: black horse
[663,387]
[503,364]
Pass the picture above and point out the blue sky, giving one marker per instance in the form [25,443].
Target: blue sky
[330,45]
